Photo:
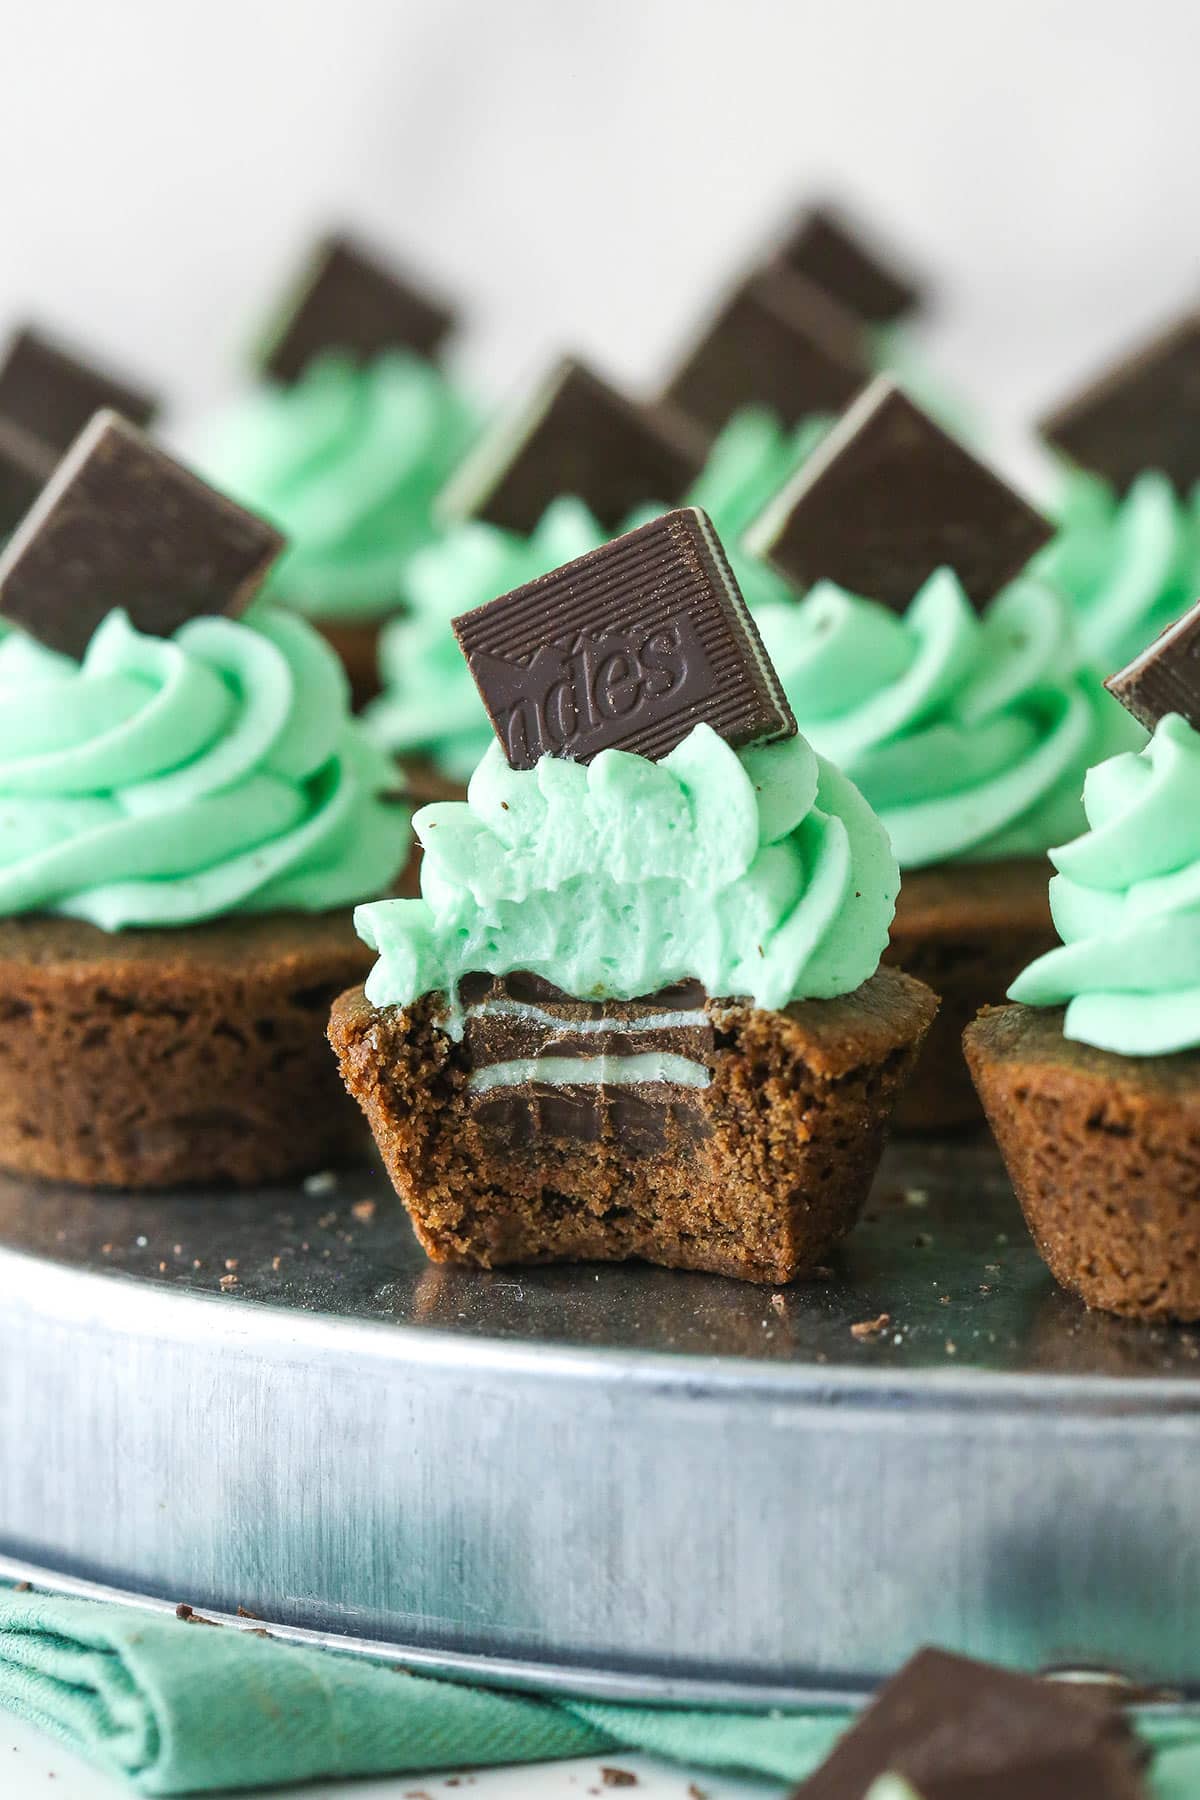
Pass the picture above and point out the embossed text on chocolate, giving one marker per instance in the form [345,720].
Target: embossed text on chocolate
[566,700]
[628,647]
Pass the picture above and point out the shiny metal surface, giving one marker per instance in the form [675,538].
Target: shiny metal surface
[617,1480]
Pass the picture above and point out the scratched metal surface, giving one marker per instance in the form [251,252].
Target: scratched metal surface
[618,1479]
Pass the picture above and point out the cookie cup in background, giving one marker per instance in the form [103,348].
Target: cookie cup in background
[1091,1082]
[347,461]
[969,734]
[187,821]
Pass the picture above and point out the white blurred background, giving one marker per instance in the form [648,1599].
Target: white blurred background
[585,174]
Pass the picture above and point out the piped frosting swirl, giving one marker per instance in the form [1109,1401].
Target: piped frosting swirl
[761,872]
[347,462]
[1129,564]
[969,735]
[1126,903]
[162,781]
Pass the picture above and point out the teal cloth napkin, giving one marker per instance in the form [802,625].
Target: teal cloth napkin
[179,1708]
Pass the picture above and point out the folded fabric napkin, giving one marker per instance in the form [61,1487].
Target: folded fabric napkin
[179,1707]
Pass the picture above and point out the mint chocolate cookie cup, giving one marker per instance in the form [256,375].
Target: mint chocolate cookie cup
[150,1059]
[187,813]
[637,1009]
[1091,1081]
[747,1149]
[1103,1152]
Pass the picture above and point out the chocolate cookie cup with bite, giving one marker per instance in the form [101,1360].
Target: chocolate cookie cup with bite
[1091,1081]
[344,442]
[187,813]
[949,686]
[638,1009]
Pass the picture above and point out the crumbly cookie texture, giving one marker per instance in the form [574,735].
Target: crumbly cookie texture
[756,1175]
[151,1059]
[1104,1154]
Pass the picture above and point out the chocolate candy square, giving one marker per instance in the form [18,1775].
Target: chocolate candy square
[952,1727]
[47,396]
[26,463]
[349,300]
[122,524]
[823,246]
[576,434]
[626,648]
[777,342]
[888,498]
[1142,413]
[1165,678]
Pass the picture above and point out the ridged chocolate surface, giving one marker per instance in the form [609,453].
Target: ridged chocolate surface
[777,342]
[351,301]
[628,647]
[1144,413]
[889,498]
[121,523]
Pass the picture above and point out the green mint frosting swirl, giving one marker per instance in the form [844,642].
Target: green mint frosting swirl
[1130,565]
[970,736]
[430,706]
[347,461]
[1126,904]
[162,781]
[760,873]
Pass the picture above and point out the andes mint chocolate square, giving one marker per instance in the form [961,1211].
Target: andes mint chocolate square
[777,342]
[349,300]
[626,648]
[1143,413]
[26,463]
[576,435]
[889,497]
[950,1726]
[823,246]
[1165,678]
[47,396]
[122,524]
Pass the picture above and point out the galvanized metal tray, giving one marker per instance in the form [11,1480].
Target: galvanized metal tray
[620,1481]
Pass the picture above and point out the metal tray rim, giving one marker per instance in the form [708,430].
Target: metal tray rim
[129,1301]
